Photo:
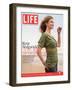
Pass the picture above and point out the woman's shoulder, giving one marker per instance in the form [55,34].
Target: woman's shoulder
[47,35]
[44,34]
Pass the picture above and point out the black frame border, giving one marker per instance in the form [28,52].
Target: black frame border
[12,43]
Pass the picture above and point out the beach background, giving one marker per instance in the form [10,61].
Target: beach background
[31,63]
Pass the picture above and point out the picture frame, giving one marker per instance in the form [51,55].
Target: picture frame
[23,44]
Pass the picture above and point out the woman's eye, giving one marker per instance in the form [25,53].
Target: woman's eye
[52,22]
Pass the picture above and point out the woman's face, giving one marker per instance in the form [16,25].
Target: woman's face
[50,24]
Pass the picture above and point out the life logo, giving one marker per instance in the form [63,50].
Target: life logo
[29,19]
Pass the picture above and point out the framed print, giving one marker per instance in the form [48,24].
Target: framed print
[39,44]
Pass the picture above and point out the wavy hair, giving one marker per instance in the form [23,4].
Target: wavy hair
[43,23]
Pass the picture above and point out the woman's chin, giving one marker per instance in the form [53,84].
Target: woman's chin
[51,28]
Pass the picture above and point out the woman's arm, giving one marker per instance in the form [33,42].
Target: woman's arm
[40,55]
[59,37]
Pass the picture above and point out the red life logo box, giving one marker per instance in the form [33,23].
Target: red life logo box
[29,19]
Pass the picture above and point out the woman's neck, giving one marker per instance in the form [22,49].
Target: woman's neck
[48,30]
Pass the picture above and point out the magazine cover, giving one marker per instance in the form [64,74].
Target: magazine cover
[42,46]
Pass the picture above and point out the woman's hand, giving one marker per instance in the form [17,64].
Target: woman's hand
[40,56]
[59,38]
[45,65]
[59,29]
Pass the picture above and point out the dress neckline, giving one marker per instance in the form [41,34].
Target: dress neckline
[50,35]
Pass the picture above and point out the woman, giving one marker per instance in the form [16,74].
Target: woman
[49,43]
